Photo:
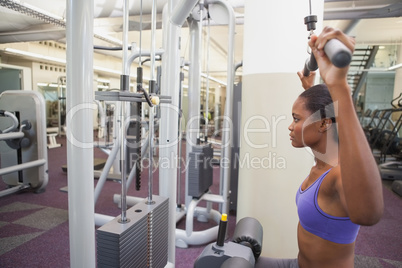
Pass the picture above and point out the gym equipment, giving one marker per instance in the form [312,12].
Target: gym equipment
[385,142]
[138,237]
[391,170]
[363,118]
[397,187]
[375,133]
[390,145]
[23,132]
[139,242]
[61,93]
[336,51]
[382,133]
[378,122]
[372,121]
[245,247]
[188,236]
[200,170]
[51,135]
[234,162]
[389,141]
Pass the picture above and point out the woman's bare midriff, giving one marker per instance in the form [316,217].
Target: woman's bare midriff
[317,252]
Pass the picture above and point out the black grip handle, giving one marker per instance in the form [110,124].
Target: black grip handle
[310,65]
[338,53]
[220,241]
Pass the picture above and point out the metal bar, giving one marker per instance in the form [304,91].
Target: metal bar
[193,125]
[207,85]
[136,53]
[22,166]
[170,84]
[151,108]
[14,120]
[11,135]
[153,40]
[227,129]
[123,115]
[13,190]
[181,11]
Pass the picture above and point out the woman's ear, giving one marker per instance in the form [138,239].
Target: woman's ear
[326,124]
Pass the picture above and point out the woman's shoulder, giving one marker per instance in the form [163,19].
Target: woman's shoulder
[336,170]
[331,180]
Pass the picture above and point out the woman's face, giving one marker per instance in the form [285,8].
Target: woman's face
[304,130]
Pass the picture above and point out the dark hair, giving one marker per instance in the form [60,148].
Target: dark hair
[318,98]
[318,101]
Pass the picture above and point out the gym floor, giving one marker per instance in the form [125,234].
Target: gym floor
[34,227]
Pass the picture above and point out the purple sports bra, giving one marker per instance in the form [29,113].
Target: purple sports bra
[336,229]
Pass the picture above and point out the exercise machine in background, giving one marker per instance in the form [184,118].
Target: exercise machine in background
[243,251]
[23,150]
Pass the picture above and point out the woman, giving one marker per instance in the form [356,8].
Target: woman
[343,189]
[345,176]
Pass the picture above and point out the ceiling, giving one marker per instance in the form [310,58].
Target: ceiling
[372,22]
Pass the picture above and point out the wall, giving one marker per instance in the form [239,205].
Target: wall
[379,90]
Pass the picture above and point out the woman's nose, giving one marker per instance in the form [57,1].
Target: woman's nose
[290,127]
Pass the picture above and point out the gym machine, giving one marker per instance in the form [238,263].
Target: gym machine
[243,251]
[377,132]
[336,51]
[390,146]
[23,149]
[137,237]
[191,208]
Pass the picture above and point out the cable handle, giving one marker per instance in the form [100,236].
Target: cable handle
[337,52]
[310,65]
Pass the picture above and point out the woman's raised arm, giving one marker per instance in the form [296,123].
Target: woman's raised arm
[361,181]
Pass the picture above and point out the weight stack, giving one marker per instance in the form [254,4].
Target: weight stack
[140,242]
[200,170]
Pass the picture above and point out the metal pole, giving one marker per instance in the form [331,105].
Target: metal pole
[79,30]
[153,32]
[123,114]
[194,100]
[207,86]
[169,119]
[151,108]
[15,168]
[11,135]
[227,128]
[201,6]
[181,11]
